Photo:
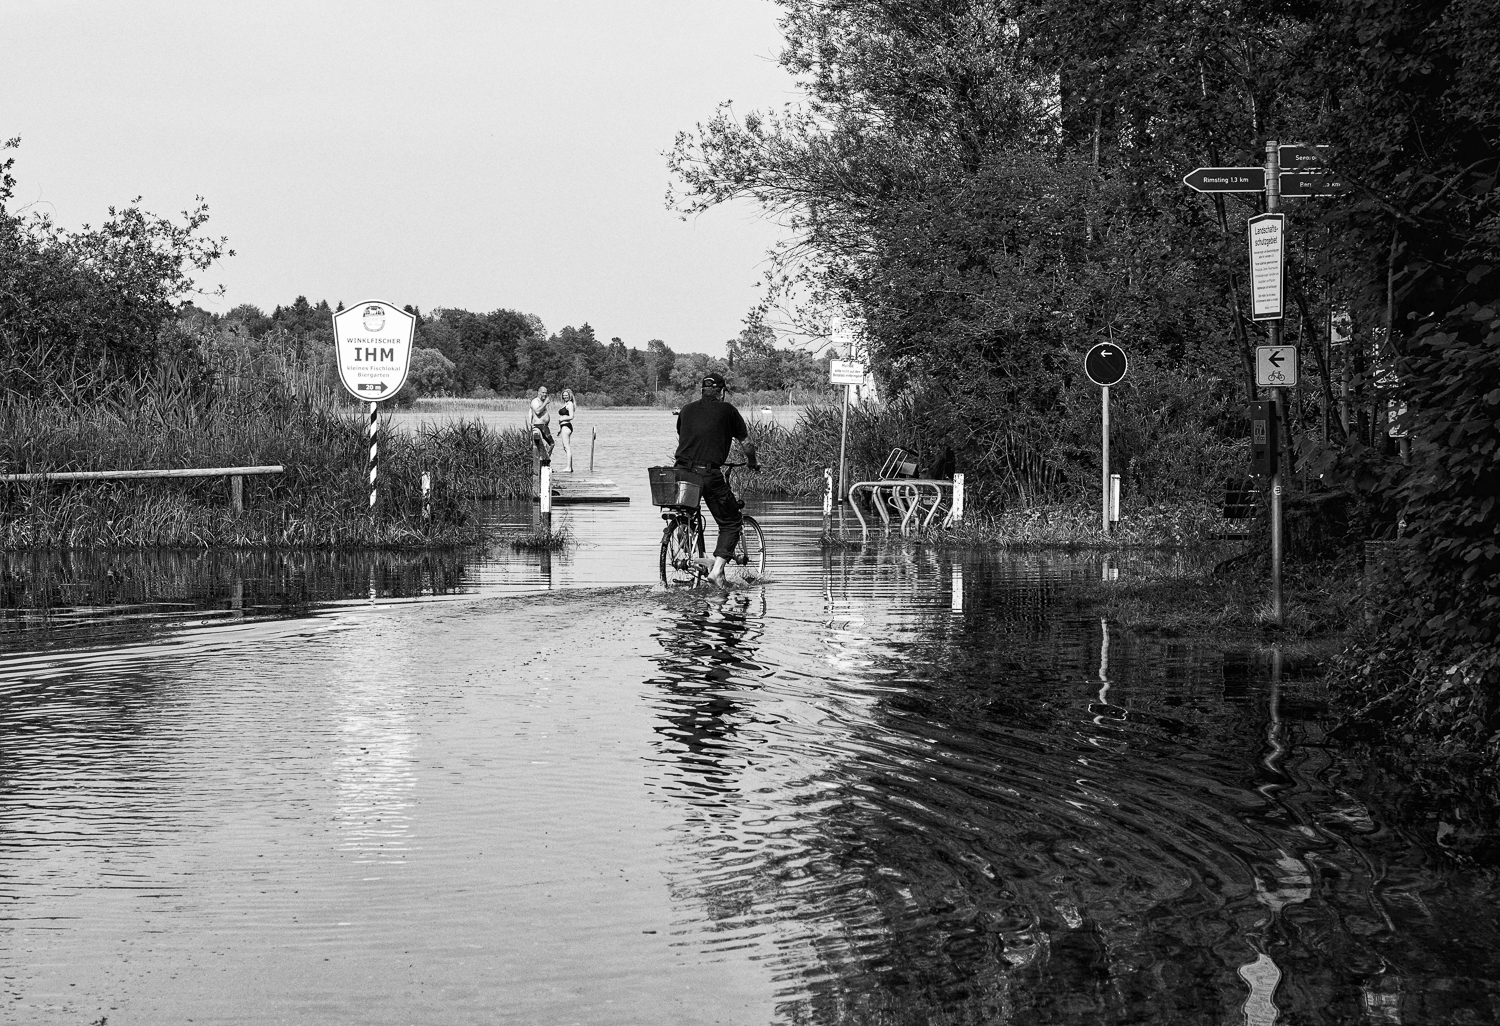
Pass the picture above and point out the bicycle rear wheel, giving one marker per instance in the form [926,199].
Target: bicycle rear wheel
[675,562]
[749,561]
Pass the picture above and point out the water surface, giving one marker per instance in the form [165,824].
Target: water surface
[888,785]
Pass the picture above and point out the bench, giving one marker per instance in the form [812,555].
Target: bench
[236,477]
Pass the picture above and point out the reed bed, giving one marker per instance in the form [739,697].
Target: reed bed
[321,500]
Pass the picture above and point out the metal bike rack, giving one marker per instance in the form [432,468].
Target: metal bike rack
[908,495]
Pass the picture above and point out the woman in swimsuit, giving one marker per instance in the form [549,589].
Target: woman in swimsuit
[565,425]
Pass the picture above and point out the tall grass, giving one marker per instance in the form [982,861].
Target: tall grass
[269,415]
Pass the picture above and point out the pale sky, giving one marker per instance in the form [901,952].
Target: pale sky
[476,155]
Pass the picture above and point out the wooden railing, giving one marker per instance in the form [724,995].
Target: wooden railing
[236,477]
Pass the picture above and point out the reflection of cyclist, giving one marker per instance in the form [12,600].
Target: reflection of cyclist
[705,431]
[541,433]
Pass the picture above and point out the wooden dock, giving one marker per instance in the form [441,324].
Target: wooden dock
[578,489]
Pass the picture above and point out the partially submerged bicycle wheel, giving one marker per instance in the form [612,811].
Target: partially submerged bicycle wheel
[748,566]
[676,562]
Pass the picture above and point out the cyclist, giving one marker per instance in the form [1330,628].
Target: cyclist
[538,419]
[706,429]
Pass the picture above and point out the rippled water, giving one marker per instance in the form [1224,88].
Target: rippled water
[886,786]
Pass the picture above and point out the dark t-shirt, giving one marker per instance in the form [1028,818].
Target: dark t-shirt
[705,430]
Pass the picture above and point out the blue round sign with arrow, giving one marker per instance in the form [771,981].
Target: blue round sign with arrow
[1105,364]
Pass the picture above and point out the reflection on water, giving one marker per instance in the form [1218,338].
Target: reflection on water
[891,784]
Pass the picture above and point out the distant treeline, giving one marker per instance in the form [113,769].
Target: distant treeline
[509,353]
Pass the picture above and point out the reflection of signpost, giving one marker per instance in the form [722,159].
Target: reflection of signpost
[373,343]
[1267,258]
[1105,364]
[847,373]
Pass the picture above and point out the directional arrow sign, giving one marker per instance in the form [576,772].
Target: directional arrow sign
[1105,364]
[1304,158]
[1310,183]
[1226,179]
[373,342]
[1276,366]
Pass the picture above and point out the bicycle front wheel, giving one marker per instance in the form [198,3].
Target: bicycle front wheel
[749,560]
[676,560]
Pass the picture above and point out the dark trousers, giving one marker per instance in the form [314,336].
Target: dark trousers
[724,507]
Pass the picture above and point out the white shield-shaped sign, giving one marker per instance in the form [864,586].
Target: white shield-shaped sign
[373,340]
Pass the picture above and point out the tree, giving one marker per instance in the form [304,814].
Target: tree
[431,373]
[657,364]
[92,303]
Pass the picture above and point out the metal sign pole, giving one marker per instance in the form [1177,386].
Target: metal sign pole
[843,441]
[1273,337]
[1104,449]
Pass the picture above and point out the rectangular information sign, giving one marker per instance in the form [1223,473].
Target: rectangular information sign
[1267,259]
[846,372]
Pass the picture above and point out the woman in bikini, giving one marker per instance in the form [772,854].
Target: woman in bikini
[565,425]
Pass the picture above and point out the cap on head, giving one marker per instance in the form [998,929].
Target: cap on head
[715,380]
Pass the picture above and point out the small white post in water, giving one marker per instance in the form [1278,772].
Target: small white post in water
[544,497]
[1114,498]
[426,496]
[956,515]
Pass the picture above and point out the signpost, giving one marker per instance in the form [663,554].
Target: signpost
[1273,330]
[373,343]
[1105,364]
[1226,179]
[847,373]
[1275,364]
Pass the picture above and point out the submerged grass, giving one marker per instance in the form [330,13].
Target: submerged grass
[540,539]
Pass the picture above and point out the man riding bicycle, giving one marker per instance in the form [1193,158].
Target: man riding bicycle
[705,431]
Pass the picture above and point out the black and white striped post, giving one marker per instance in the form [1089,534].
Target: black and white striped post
[373,344]
[374,433]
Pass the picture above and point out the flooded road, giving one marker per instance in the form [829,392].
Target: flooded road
[887,785]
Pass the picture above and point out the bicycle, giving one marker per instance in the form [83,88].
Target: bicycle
[682,545]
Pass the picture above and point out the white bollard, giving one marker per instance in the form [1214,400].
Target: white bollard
[957,515]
